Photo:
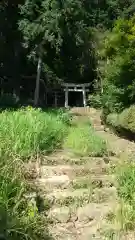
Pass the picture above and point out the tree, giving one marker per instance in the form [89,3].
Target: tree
[119,66]
[10,47]
[62,31]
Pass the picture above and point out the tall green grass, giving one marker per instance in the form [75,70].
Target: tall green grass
[19,217]
[27,132]
[82,140]
[125,214]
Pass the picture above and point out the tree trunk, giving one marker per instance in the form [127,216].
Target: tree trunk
[36,97]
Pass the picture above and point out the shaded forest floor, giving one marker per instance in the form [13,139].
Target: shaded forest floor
[82,191]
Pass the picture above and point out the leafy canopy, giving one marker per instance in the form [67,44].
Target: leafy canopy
[119,68]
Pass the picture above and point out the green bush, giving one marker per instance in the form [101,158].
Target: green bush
[112,120]
[123,121]
[95,101]
[30,131]
[127,119]
[82,140]
[64,116]
[119,89]
[118,70]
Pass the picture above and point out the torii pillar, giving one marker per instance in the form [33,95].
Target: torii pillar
[84,96]
[66,97]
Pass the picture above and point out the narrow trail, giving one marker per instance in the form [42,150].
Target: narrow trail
[82,191]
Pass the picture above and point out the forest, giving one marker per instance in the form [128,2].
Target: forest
[66,35]
[67,173]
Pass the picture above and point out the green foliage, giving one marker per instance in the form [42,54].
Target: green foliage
[58,31]
[112,120]
[123,121]
[29,131]
[125,174]
[61,31]
[64,115]
[127,119]
[83,141]
[126,181]
[119,69]
[95,100]
[19,217]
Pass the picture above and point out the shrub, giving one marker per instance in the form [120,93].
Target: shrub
[30,131]
[95,101]
[112,120]
[127,119]
[118,73]
[64,116]
[82,140]
[123,121]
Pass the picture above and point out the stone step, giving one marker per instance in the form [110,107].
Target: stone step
[95,180]
[63,231]
[93,165]
[92,230]
[101,181]
[80,197]
[85,223]
[59,159]
[94,211]
[57,170]
[69,197]
[85,214]
[61,181]
[79,167]
[99,128]
[104,194]
[72,172]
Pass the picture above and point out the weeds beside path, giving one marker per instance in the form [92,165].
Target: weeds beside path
[24,135]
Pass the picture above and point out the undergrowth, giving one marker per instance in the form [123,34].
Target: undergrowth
[24,133]
[125,214]
[19,217]
[124,121]
[82,140]
[27,132]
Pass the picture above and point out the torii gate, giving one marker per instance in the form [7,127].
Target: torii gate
[71,87]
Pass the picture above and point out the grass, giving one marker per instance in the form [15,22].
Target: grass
[124,121]
[126,181]
[124,214]
[126,192]
[19,217]
[27,132]
[83,141]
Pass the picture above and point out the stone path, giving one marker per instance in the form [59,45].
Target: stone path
[81,191]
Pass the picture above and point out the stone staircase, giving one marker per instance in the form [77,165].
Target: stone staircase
[81,192]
